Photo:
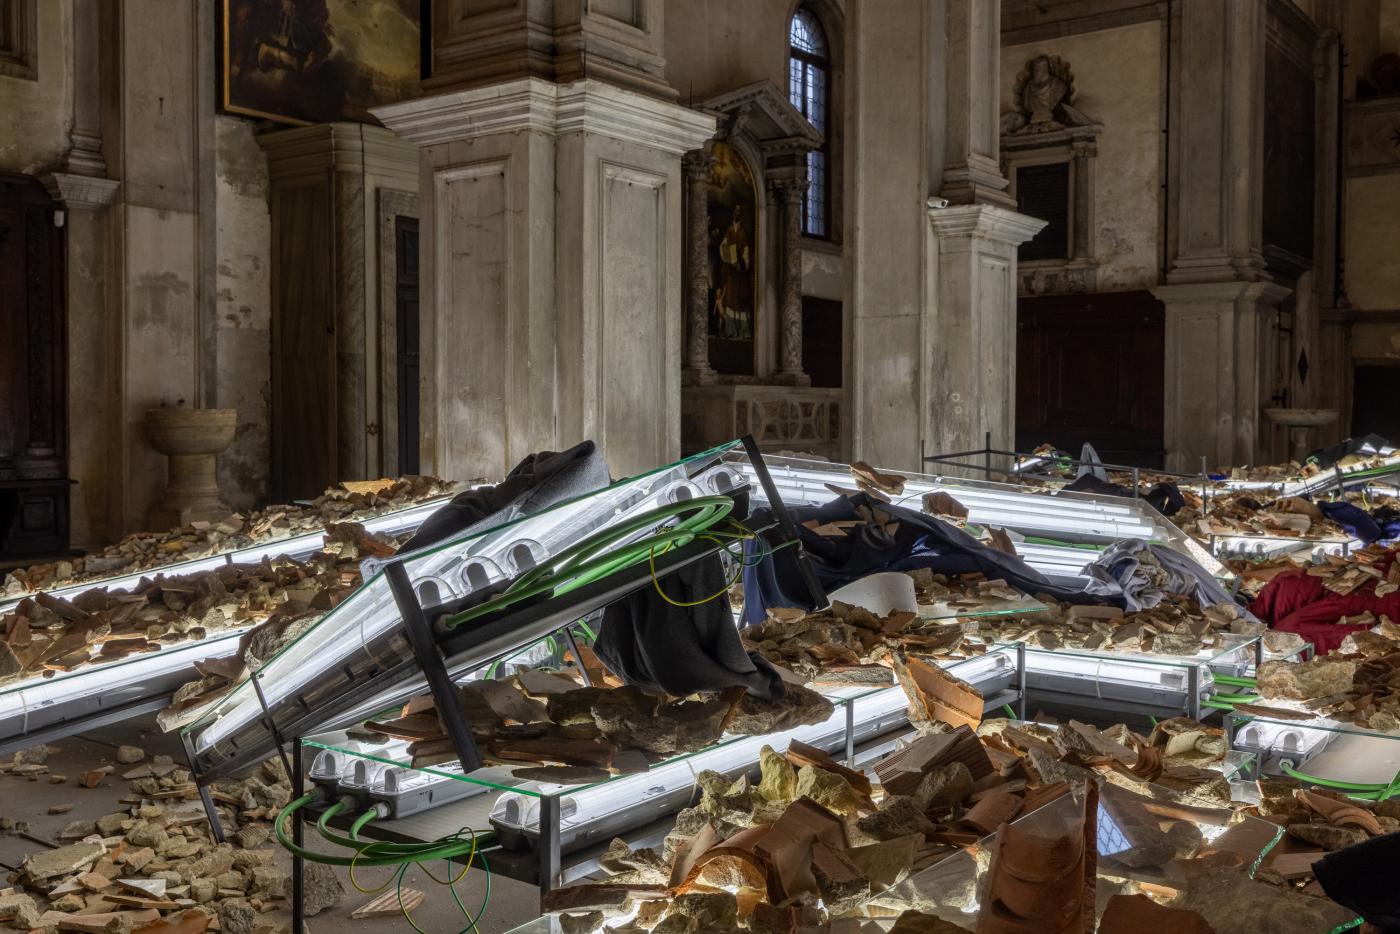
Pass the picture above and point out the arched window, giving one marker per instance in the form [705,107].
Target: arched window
[809,88]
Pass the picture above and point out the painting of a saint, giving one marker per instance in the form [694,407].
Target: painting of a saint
[317,61]
[733,212]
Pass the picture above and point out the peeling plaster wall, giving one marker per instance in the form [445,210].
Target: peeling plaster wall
[243,302]
[38,115]
[1118,84]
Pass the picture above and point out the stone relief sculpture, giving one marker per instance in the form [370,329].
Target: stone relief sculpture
[1044,98]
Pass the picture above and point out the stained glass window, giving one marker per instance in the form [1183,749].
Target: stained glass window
[809,89]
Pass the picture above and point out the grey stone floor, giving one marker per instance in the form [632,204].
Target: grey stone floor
[512,903]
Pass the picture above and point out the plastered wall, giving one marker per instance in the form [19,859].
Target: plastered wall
[38,115]
[1118,84]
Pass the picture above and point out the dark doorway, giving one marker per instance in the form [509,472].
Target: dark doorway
[406,312]
[821,341]
[1090,368]
[33,381]
[1374,409]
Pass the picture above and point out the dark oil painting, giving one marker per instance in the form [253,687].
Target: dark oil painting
[733,210]
[317,61]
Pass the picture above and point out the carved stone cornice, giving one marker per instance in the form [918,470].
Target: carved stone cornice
[984,221]
[532,104]
[769,116]
[81,191]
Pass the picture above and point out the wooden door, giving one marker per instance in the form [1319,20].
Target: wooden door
[1090,368]
[406,321]
[33,374]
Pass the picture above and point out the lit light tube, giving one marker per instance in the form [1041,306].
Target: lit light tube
[1277,743]
[1149,683]
[296,546]
[41,702]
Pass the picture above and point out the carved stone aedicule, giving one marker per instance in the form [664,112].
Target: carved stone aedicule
[744,199]
[1044,99]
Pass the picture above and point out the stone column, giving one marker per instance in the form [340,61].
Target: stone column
[790,191]
[697,371]
[85,192]
[1217,336]
[1220,306]
[971,350]
[550,258]
[972,56]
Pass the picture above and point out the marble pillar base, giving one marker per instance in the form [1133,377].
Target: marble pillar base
[970,388]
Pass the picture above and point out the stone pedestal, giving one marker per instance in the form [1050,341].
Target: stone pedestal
[1220,339]
[971,324]
[551,280]
[192,439]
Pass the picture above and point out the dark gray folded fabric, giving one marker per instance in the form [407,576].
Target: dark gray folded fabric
[681,650]
[539,481]
[1362,877]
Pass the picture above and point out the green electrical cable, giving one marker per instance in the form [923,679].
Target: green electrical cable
[1353,923]
[1236,698]
[1217,706]
[360,823]
[1362,790]
[1237,682]
[1009,712]
[588,560]
[374,854]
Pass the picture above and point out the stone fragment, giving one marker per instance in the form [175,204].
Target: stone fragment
[394,904]
[47,864]
[130,755]
[1319,677]
[1138,914]
[271,879]
[60,808]
[111,824]
[237,919]
[1328,836]
[898,816]
[77,829]
[136,859]
[829,790]
[202,890]
[778,781]
[321,888]
[944,786]
[799,706]
[14,903]
[585,923]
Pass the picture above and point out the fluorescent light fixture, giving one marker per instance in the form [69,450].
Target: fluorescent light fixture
[1277,743]
[363,634]
[295,546]
[38,702]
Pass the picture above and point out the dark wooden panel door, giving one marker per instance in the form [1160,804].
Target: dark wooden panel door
[1090,368]
[822,342]
[406,314]
[304,398]
[33,374]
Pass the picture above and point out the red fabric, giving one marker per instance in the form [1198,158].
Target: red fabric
[1295,601]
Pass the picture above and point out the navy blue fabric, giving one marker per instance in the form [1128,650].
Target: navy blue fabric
[920,541]
[1354,519]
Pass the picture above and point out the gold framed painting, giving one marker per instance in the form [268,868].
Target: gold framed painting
[317,61]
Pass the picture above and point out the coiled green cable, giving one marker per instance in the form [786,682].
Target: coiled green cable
[373,854]
[590,560]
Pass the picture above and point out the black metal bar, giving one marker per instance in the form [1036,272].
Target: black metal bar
[578,656]
[71,727]
[211,813]
[987,438]
[271,723]
[549,844]
[1258,654]
[786,526]
[420,636]
[298,780]
[851,732]
[1021,680]
[1193,688]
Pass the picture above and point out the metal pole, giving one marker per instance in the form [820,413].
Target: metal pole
[1135,483]
[578,656]
[851,733]
[1193,687]
[549,844]
[216,826]
[298,780]
[1021,680]
[988,439]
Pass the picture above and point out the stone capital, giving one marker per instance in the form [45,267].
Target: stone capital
[81,191]
[1258,292]
[533,104]
[983,221]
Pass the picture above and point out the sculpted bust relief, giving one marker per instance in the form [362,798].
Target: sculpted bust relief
[1044,90]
